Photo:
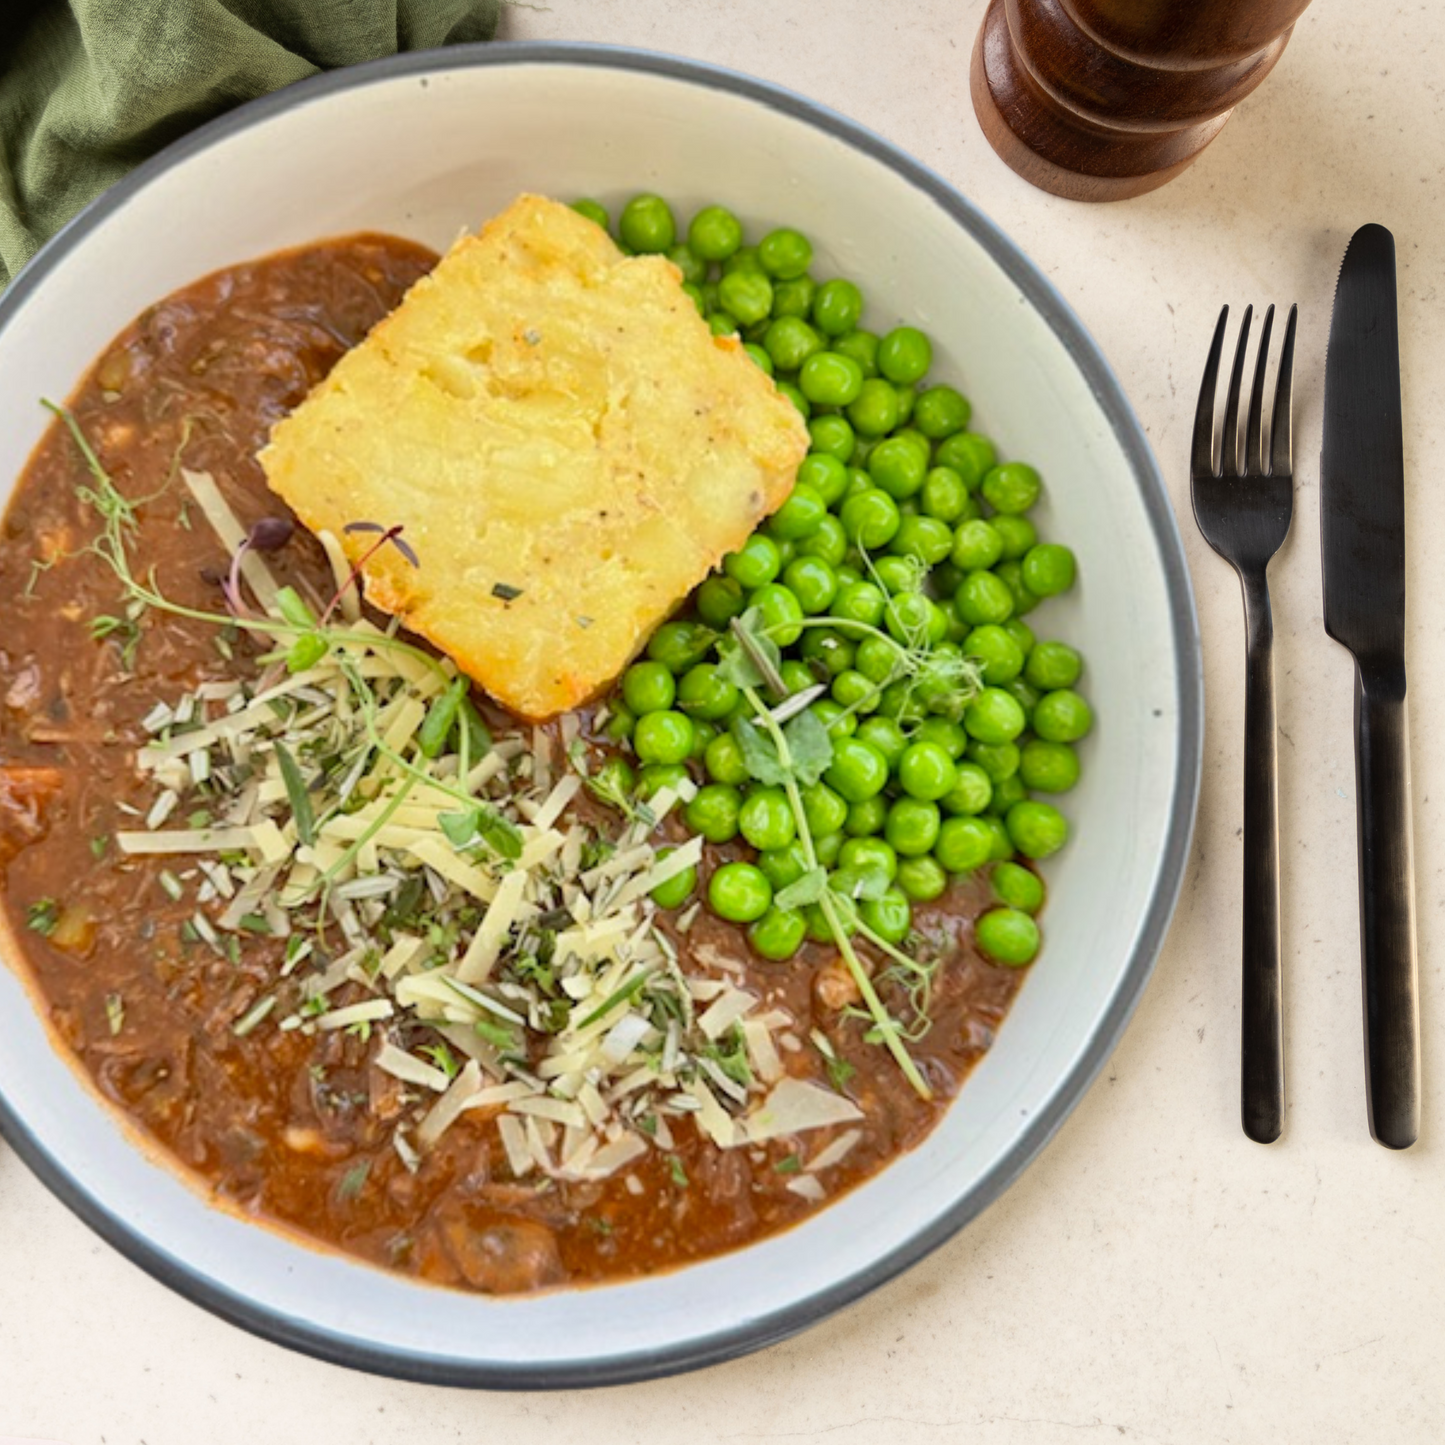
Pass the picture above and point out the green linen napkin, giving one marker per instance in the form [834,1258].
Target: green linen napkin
[90,87]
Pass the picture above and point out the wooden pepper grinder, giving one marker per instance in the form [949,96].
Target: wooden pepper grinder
[1098,100]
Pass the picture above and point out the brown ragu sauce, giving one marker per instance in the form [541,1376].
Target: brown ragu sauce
[286,1127]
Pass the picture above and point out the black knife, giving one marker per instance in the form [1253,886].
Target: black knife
[1362,527]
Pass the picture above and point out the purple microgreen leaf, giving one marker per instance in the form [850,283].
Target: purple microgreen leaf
[404,547]
[270,534]
[363,527]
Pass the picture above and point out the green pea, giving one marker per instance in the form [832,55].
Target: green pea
[922,880]
[870,518]
[620,722]
[837,307]
[866,816]
[760,356]
[958,629]
[1048,569]
[1019,630]
[794,395]
[796,675]
[983,597]
[766,819]
[969,454]
[944,495]
[885,735]
[889,917]
[976,545]
[854,692]
[832,437]
[785,253]
[971,794]
[656,776]
[713,811]
[830,652]
[925,538]
[813,582]
[745,258]
[615,778]
[941,411]
[820,930]
[964,844]
[907,399]
[676,890]
[1013,487]
[878,659]
[648,687]
[1016,534]
[800,515]
[720,323]
[896,466]
[703,732]
[828,544]
[1006,794]
[1052,665]
[868,855]
[824,810]
[1002,659]
[1062,717]
[858,770]
[715,233]
[719,600]
[593,210]
[874,411]
[1036,829]
[739,893]
[1007,936]
[748,295]
[1025,693]
[831,379]
[781,614]
[790,341]
[1047,767]
[1017,887]
[756,563]
[898,574]
[663,737]
[861,602]
[912,826]
[926,771]
[862,346]
[904,355]
[827,846]
[993,716]
[705,693]
[998,760]
[784,865]
[724,761]
[1003,848]
[913,619]
[794,297]
[692,266]
[678,645]
[646,225]
[778,934]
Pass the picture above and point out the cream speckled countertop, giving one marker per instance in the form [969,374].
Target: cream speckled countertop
[1153,1277]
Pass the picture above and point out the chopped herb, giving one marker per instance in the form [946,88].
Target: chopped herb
[296,793]
[41,917]
[505,591]
[648,1124]
[441,1055]
[840,1071]
[679,1174]
[598,1225]
[255,923]
[789,1164]
[353,1181]
[497,1034]
[253,1016]
[621,995]
[583,622]
[98,845]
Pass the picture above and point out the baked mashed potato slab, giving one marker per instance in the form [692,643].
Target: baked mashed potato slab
[567,447]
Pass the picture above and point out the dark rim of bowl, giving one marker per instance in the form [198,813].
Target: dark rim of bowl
[715,1347]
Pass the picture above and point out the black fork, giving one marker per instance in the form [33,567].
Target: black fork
[1244,515]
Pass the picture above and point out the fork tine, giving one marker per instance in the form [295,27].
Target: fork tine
[1201,461]
[1281,442]
[1229,446]
[1253,451]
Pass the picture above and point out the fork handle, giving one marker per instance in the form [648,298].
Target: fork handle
[1387,905]
[1262,1033]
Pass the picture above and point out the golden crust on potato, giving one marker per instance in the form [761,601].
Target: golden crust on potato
[567,447]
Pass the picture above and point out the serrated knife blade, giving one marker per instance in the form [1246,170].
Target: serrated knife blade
[1362,531]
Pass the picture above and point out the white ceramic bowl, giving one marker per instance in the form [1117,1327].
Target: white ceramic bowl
[424,145]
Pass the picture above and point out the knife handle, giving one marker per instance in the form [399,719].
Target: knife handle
[1387,905]
[1261,1075]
